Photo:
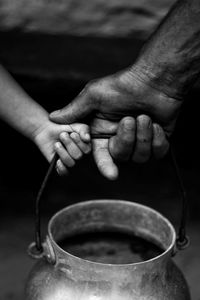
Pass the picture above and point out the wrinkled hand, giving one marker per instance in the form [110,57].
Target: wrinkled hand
[112,98]
[134,139]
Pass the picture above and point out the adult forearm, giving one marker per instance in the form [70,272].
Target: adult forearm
[170,60]
[17,108]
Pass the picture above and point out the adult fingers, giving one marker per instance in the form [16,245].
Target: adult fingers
[121,145]
[103,159]
[79,108]
[102,126]
[160,144]
[142,151]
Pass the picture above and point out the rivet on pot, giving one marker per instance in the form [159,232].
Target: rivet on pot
[49,253]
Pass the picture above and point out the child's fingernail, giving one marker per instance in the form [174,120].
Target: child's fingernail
[157,129]
[57,145]
[63,135]
[57,170]
[74,135]
[88,148]
[87,136]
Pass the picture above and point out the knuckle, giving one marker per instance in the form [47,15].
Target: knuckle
[160,152]
[85,128]
[126,141]
[141,158]
[122,157]
[68,161]
[160,145]
[86,149]
[61,169]
[79,155]
[116,154]
[121,150]
[90,88]
[142,154]
[121,154]
[143,139]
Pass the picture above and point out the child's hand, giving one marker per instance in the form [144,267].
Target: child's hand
[69,141]
[72,145]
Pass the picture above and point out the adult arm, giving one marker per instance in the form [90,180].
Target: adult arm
[155,85]
[171,58]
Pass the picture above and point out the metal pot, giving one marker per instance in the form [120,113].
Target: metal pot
[60,275]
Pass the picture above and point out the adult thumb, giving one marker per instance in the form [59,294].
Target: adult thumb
[79,108]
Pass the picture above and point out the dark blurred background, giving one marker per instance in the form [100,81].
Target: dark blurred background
[53,50]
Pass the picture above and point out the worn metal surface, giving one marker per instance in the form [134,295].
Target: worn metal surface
[69,277]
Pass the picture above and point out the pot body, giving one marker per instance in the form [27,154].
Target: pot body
[59,275]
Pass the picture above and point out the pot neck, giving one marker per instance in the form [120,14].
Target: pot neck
[97,215]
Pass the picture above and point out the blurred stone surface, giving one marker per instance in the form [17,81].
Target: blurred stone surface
[75,39]
[79,17]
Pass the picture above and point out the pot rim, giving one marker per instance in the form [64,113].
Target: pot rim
[78,259]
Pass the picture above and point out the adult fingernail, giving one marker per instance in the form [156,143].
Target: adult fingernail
[144,121]
[129,124]
[55,113]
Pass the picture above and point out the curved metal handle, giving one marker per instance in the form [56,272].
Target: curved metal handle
[182,239]
[36,247]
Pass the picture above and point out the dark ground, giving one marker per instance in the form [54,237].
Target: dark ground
[154,184]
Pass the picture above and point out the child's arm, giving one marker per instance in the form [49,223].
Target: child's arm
[29,118]
[18,109]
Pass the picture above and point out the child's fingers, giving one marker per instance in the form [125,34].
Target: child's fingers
[66,159]
[60,168]
[83,130]
[71,147]
[84,147]
[160,143]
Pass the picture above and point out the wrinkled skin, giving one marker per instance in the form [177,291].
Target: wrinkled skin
[126,106]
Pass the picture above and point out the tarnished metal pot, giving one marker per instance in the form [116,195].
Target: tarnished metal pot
[59,275]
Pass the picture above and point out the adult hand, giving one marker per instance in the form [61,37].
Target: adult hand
[132,138]
[108,100]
